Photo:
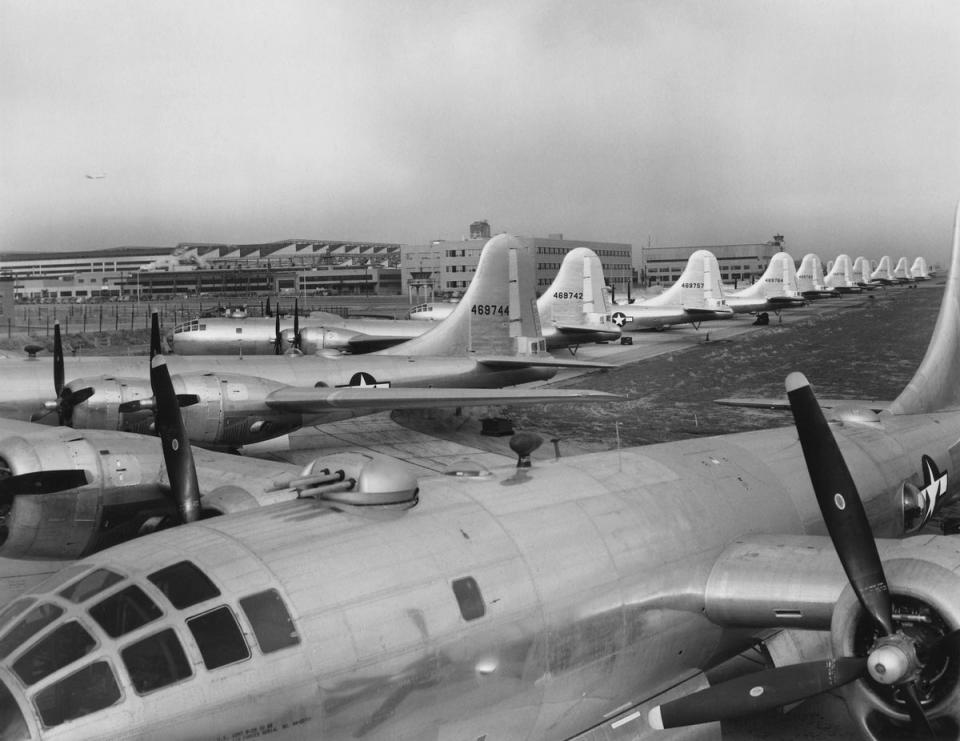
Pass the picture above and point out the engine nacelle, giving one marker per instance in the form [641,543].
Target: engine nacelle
[314,339]
[123,488]
[926,598]
[219,410]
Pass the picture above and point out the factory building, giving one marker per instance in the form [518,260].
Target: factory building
[443,269]
[739,263]
[312,267]
[288,267]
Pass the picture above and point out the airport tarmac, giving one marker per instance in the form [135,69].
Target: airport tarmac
[431,441]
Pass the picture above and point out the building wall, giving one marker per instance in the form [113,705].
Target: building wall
[443,268]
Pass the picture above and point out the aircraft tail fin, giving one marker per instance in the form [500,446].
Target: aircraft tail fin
[884,270]
[497,315]
[578,289]
[936,384]
[919,269]
[698,288]
[841,274]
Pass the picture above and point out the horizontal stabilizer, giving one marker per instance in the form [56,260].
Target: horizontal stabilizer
[587,330]
[782,404]
[319,400]
[547,361]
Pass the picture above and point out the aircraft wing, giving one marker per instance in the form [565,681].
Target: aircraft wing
[784,405]
[519,361]
[318,400]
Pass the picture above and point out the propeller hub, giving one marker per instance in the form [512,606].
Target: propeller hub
[893,660]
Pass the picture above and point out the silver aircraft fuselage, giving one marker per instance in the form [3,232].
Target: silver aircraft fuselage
[28,384]
[520,604]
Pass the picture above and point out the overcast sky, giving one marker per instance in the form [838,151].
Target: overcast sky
[834,123]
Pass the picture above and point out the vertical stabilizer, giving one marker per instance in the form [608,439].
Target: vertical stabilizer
[780,278]
[884,271]
[902,271]
[861,270]
[919,269]
[778,281]
[497,314]
[936,384]
[698,288]
[810,274]
[841,274]
[577,290]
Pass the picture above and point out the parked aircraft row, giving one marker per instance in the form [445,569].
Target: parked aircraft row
[348,600]
[492,340]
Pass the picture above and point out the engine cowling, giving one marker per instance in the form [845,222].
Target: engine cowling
[313,339]
[123,488]
[219,410]
[926,598]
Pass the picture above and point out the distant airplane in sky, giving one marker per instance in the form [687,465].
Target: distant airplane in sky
[97,176]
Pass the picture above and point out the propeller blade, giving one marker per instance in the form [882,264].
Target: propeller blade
[40,482]
[58,372]
[840,504]
[296,324]
[277,340]
[267,311]
[915,708]
[177,455]
[68,401]
[757,692]
[155,348]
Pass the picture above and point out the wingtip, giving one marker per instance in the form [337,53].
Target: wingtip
[655,719]
[796,381]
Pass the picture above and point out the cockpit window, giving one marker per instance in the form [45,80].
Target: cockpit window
[270,620]
[92,688]
[218,637]
[12,724]
[55,581]
[184,584]
[93,583]
[34,621]
[14,610]
[156,661]
[63,646]
[124,611]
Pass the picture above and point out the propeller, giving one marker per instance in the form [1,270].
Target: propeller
[893,659]
[277,339]
[183,400]
[177,455]
[296,324]
[268,311]
[67,397]
[155,347]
